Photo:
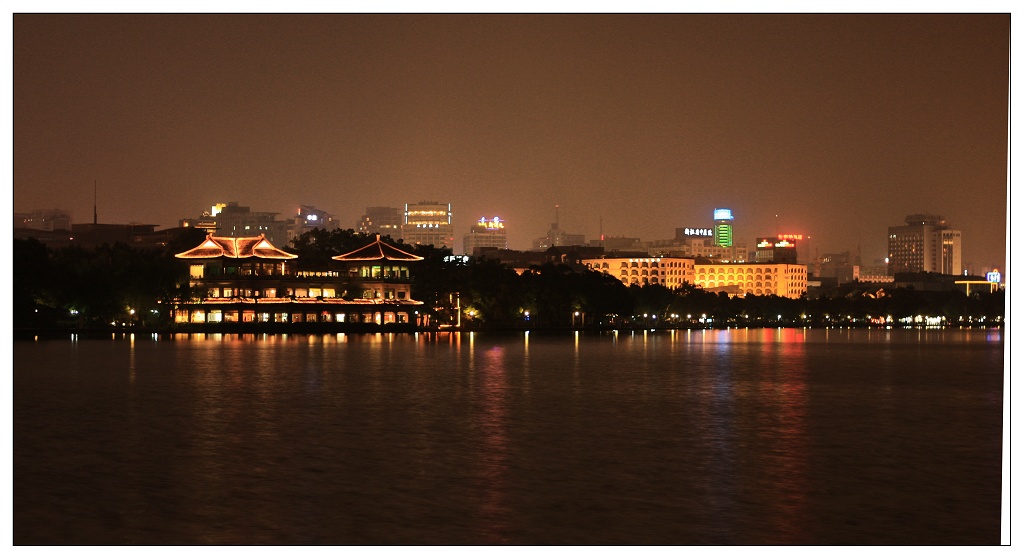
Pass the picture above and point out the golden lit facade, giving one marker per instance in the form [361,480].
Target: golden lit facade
[784,280]
[428,223]
[669,272]
[247,282]
[381,272]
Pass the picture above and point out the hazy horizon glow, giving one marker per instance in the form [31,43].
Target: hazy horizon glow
[833,127]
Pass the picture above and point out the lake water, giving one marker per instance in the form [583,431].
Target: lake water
[783,436]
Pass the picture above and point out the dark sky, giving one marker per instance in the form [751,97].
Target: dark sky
[840,125]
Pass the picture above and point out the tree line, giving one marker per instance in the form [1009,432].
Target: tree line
[120,286]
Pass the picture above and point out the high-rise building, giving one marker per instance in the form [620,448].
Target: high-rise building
[485,234]
[924,244]
[308,218]
[951,261]
[723,227]
[381,219]
[232,220]
[703,242]
[775,250]
[428,223]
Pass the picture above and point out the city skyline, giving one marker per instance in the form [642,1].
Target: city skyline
[831,126]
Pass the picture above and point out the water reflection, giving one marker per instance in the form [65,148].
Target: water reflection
[131,360]
[526,362]
[493,455]
[743,436]
[785,465]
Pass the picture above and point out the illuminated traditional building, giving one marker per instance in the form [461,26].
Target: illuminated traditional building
[429,223]
[381,219]
[249,281]
[670,272]
[924,244]
[382,272]
[485,234]
[784,280]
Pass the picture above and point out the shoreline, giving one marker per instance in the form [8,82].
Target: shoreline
[332,328]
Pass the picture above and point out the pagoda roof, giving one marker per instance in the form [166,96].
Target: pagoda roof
[377,250]
[236,247]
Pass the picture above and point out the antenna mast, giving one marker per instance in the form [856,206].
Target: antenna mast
[94,202]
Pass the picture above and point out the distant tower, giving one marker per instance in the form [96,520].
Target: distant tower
[557,237]
[485,234]
[924,244]
[723,227]
[385,220]
[429,223]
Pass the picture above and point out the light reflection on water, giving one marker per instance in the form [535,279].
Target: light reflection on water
[743,436]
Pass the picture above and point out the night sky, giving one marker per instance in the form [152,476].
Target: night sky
[832,126]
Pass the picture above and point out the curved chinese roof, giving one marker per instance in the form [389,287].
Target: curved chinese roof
[236,247]
[377,250]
